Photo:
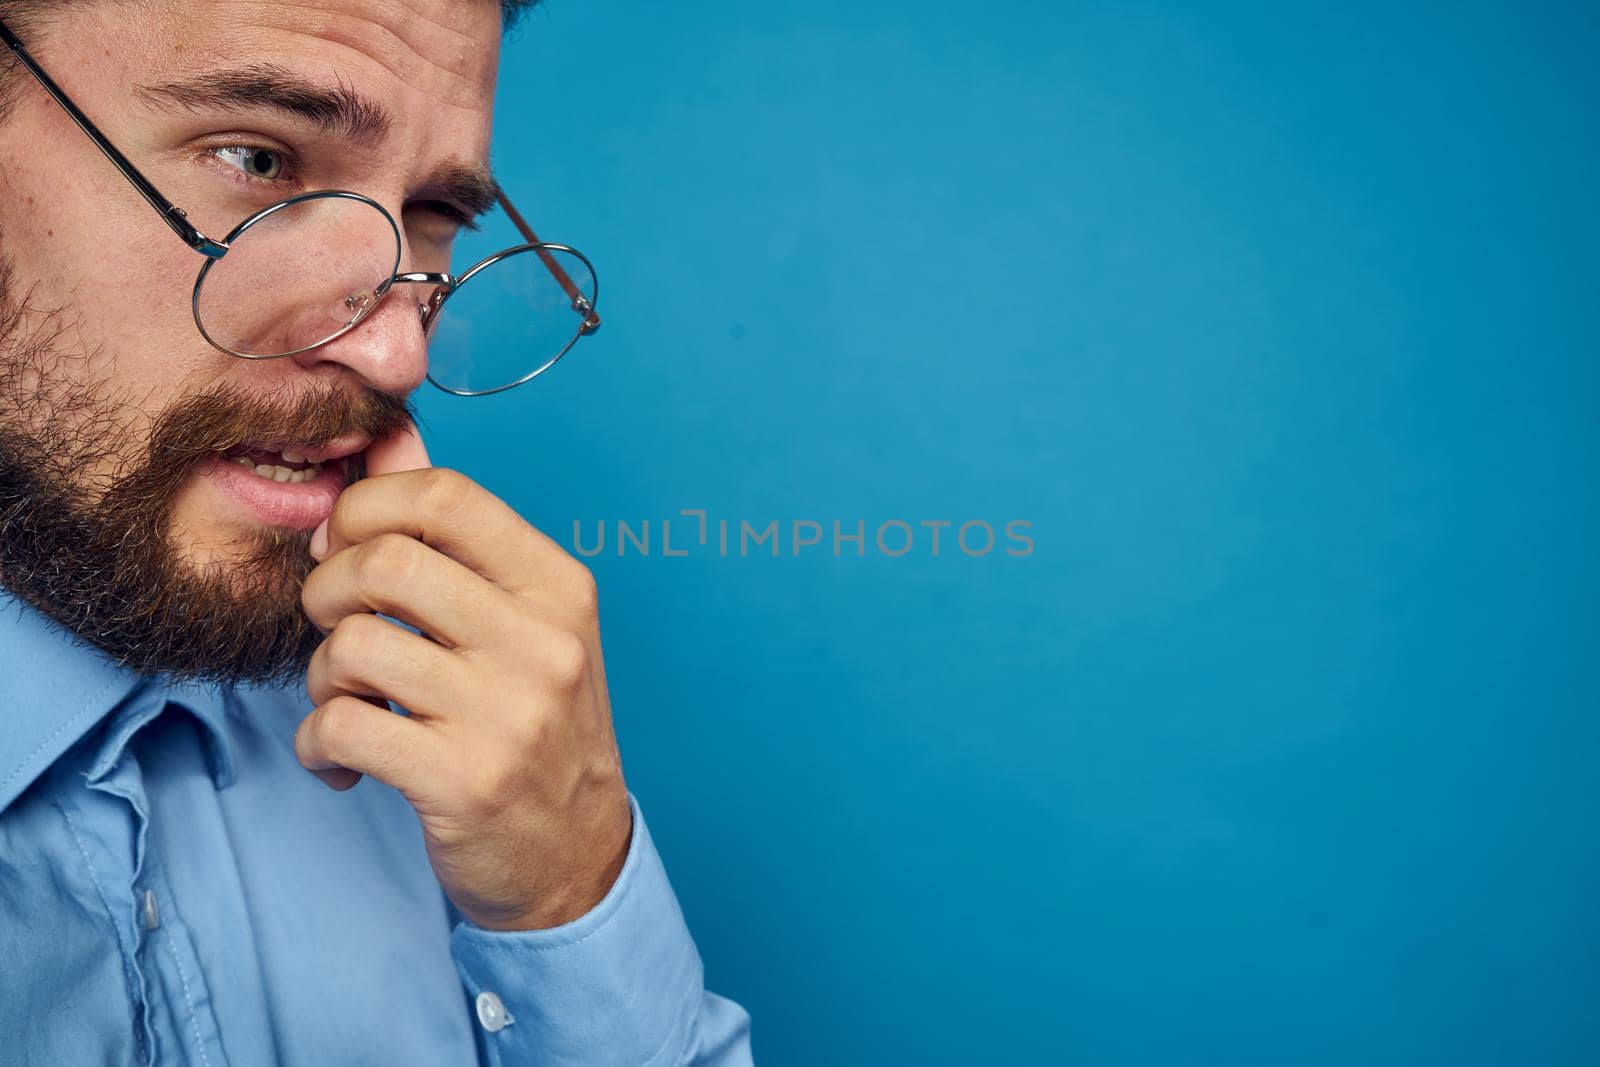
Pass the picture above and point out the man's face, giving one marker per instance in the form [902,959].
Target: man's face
[124,512]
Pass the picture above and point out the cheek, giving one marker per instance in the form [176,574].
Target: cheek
[120,289]
[141,313]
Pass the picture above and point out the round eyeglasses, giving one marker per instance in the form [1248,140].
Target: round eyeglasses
[305,271]
[309,269]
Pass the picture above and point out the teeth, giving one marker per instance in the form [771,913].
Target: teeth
[273,472]
[290,456]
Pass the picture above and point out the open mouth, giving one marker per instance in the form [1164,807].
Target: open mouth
[295,464]
[292,484]
[285,466]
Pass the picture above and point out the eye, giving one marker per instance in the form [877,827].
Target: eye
[453,216]
[263,163]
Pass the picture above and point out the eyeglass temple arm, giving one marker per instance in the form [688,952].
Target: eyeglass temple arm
[173,216]
[580,303]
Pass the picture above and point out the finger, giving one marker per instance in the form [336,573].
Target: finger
[351,735]
[403,578]
[365,656]
[402,450]
[450,512]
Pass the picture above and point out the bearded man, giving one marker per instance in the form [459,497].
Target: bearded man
[306,753]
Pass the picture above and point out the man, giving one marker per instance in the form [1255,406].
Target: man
[244,816]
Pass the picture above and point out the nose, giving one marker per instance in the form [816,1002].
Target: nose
[387,349]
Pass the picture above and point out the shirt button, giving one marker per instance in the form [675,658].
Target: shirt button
[152,914]
[492,1014]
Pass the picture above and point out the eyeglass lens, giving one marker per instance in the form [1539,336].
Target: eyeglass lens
[305,273]
[297,277]
[509,320]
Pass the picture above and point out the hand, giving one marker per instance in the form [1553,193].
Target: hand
[508,755]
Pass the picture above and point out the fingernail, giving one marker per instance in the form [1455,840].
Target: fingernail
[319,541]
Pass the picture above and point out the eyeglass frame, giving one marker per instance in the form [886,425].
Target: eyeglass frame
[444,283]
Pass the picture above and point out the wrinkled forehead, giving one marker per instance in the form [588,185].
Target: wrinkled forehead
[417,68]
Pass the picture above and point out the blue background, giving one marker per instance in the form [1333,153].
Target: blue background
[1279,327]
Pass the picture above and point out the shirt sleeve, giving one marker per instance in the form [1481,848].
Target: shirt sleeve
[622,984]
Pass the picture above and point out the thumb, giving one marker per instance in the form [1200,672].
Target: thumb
[402,450]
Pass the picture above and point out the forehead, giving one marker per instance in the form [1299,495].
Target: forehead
[428,65]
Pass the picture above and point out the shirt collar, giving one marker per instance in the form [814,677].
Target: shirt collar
[54,689]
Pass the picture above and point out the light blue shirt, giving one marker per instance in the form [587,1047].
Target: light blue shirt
[176,889]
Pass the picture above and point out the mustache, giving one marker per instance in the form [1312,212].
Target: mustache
[198,427]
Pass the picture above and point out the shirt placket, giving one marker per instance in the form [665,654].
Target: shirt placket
[109,816]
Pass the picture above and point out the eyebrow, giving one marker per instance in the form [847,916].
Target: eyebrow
[470,187]
[339,109]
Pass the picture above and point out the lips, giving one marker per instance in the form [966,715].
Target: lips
[287,484]
[298,505]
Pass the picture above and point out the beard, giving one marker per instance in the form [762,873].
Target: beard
[97,556]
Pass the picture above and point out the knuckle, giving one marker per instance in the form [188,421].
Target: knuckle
[337,725]
[319,686]
[311,595]
[443,492]
[351,644]
[585,592]
[342,519]
[567,660]
[389,561]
